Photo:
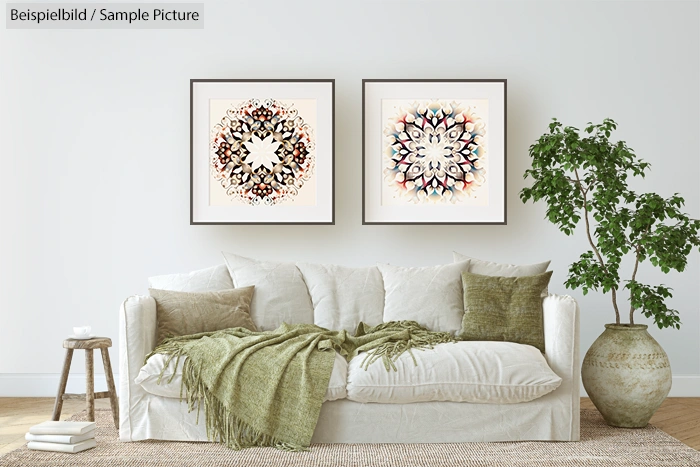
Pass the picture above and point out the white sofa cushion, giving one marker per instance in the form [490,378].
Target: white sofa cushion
[343,296]
[280,292]
[489,268]
[211,279]
[150,372]
[431,296]
[479,372]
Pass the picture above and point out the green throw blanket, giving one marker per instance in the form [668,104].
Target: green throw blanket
[266,388]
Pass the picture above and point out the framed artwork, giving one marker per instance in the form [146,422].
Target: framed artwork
[434,151]
[262,151]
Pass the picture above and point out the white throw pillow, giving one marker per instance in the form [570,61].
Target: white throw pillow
[431,296]
[150,373]
[280,292]
[471,371]
[211,279]
[489,268]
[343,296]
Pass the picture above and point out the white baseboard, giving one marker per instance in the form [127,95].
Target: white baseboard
[682,386]
[685,386]
[46,384]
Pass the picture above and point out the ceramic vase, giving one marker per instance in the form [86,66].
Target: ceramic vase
[626,374]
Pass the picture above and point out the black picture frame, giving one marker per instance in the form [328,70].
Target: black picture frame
[393,87]
[197,136]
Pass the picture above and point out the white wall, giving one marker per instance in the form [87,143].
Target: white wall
[94,175]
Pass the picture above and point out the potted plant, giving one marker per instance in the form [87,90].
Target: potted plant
[582,176]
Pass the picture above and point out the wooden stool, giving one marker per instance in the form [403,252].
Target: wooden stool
[102,343]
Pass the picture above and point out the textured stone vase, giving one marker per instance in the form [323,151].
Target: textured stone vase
[627,375]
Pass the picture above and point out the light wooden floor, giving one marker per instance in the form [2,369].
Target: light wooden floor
[679,417]
[17,414]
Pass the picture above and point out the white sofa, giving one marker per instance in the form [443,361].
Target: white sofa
[398,407]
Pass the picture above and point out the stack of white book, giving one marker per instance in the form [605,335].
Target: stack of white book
[62,436]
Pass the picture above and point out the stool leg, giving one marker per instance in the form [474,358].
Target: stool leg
[58,405]
[110,386]
[90,385]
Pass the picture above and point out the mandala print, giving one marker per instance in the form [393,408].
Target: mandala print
[262,152]
[435,152]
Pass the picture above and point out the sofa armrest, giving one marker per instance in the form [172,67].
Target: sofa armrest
[561,336]
[561,343]
[137,338]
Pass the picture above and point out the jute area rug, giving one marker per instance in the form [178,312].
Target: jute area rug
[600,445]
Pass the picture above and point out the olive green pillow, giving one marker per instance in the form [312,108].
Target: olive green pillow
[183,313]
[504,308]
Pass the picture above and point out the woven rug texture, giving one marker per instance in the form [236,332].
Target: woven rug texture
[600,445]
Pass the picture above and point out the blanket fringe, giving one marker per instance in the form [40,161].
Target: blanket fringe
[418,338]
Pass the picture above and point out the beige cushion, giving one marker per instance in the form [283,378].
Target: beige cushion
[504,308]
[478,372]
[201,280]
[431,296]
[150,372]
[343,296]
[489,268]
[183,313]
[280,292]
